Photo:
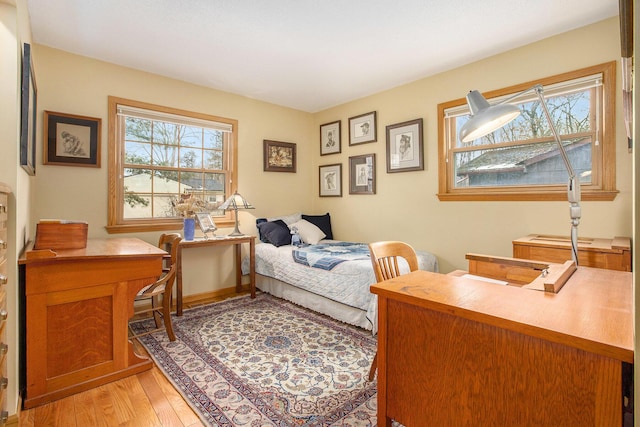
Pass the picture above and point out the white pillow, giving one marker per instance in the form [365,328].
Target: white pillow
[308,232]
[288,219]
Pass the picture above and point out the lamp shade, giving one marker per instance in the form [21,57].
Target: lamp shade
[485,118]
[236,201]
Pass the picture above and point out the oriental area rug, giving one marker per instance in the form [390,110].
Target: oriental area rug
[267,362]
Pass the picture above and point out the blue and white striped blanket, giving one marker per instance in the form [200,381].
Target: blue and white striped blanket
[328,255]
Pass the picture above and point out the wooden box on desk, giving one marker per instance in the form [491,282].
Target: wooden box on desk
[60,234]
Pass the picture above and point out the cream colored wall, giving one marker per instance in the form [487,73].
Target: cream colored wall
[405,206]
[73,84]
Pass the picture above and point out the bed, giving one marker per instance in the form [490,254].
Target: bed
[326,275]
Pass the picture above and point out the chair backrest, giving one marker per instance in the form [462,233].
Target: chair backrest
[384,257]
[169,242]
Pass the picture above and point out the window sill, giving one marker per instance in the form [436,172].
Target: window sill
[477,196]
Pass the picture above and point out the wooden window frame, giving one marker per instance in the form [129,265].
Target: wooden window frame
[604,157]
[115,221]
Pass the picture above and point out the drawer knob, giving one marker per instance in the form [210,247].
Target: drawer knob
[3,279]
[4,382]
[3,315]
[3,208]
[4,416]
[3,244]
[4,348]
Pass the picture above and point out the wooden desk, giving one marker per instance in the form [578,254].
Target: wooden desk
[78,304]
[456,351]
[220,241]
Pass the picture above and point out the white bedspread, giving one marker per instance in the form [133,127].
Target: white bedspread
[347,283]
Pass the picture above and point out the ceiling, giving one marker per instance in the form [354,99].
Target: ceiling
[305,54]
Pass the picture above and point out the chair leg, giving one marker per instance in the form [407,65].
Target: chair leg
[155,304]
[374,365]
[166,313]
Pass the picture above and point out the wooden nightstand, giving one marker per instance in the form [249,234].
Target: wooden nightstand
[612,254]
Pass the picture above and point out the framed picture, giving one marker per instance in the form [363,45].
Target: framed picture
[363,129]
[330,138]
[362,174]
[28,113]
[71,140]
[331,180]
[279,156]
[206,223]
[405,147]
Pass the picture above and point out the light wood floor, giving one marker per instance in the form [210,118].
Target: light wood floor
[145,399]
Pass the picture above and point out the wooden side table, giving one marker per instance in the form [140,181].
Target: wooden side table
[237,241]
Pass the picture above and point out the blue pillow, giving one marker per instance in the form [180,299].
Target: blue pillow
[323,222]
[275,232]
[258,222]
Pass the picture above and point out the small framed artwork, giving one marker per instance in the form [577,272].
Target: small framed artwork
[362,174]
[363,128]
[206,224]
[405,147]
[330,138]
[71,140]
[331,180]
[279,156]
[28,114]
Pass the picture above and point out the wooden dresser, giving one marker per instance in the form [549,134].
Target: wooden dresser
[4,214]
[612,254]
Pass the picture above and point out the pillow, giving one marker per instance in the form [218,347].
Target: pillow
[308,232]
[258,222]
[323,222]
[275,232]
[288,219]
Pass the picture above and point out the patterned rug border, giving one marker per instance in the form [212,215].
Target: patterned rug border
[208,411]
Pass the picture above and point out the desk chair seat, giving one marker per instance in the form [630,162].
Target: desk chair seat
[384,257]
[158,294]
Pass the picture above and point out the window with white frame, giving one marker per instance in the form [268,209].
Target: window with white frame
[521,161]
[157,155]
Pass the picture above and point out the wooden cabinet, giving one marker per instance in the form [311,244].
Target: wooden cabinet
[612,254]
[78,304]
[4,213]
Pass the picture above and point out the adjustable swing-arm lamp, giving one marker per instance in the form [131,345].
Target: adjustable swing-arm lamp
[486,118]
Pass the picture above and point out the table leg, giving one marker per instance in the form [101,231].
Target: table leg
[179,283]
[252,267]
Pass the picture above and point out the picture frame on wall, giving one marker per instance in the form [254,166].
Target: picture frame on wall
[279,156]
[28,113]
[362,174]
[363,128]
[330,138]
[71,140]
[405,147]
[330,180]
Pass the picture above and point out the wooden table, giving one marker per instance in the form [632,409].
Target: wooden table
[237,242]
[457,351]
[78,305]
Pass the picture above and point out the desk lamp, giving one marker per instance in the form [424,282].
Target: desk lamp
[486,118]
[235,202]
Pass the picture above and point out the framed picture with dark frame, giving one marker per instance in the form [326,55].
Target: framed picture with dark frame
[28,113]
[71,140]
[330,180]
[279,156]
[330,138]
[405,147]
[363,129]
[362,174]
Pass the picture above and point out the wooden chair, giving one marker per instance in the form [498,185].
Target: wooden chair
[384,257]
[162,287]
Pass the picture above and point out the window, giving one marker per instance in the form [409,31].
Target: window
[521,161]
[156,155]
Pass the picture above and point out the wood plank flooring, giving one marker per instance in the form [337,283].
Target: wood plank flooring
[145,399]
